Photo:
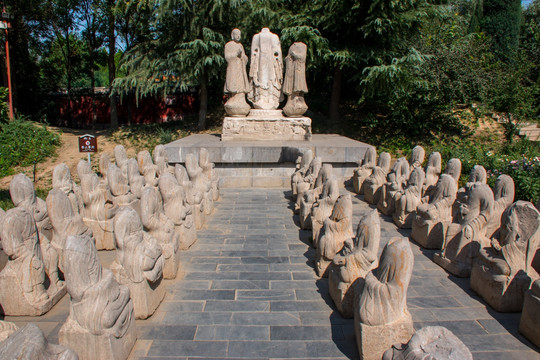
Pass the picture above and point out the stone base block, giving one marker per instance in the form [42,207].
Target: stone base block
[429,235]
[199,216]
[342,293]
[104,237]
[256,128]
[457,268]
[14,303]
[322,266]
[404,222]
[170,270]
[188,236]
[146,297]
[373,341]
[529,324]
[91,347]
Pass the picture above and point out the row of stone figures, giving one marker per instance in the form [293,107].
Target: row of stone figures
[147,215]
[480,233]
[371,289]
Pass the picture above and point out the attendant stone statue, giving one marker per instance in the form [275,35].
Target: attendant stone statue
[298,175]
[135,180]
[294,83]
[364,170]
[201,184]
[433,169]
[147,168]
[311,196]
[396,180]
[503,192]
[406,200]
[236,80]
[374,183]
[161,159]
[193,197]
[121,158]
[208,170]
[323,207]
[62,180]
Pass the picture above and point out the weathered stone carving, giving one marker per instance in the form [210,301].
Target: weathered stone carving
[298,175]
[336,229]
[266,71]
[201,185]
[177,209]
[135,180]
[236,80]
[121,159]
[208,171]
[406,200]
[433,218]
[121,194]
[396,179]
[24,276]
[104,162]
[373,185]
[294,83]
[101,323]
[502,273]
[467,234]
[139,263]
[503,193]
[364,170]
[6,329]
[99,211]
[310,196]
[64,220]
[308,181]
[529,325]
[355,260]
[161,227]
[193,198]
[322,208]
[433,169]
[147,168]
[161,159]
[62,180]
[263,126]
[430,342]
[29,343]
[381,317]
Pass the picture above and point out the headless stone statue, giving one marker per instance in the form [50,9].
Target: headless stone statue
[374,183]
[147,168]
[101,322]
[381,317]
[121,193]
[313,195]
[193,197]
[200,182]
[6,329]
[308,181]
[161,159]
[336,230]
[396,180]
[433,169]
[406,200]
[354,261]
[322,208]
[121,158]
[62,180]
[503,193]
[433,218]
[236,80]
[364,170]
[208,170]
[139,263]
[503,272]
[294,83]
[298,175]
[266,71]
[135,180]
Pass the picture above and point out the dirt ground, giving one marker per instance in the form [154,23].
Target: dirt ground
[69,154]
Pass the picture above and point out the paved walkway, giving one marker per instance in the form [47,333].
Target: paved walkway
[249,291]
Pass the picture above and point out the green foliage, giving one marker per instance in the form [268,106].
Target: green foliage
[23,143]
[4,108]
[501,20]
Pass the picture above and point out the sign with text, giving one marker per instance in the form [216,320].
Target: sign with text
[87,143]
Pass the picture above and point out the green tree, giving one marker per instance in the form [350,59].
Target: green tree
[501,20]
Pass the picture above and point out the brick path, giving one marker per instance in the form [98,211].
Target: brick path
[249,291]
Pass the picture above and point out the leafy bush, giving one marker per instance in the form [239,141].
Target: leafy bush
[23,142]
[4,110]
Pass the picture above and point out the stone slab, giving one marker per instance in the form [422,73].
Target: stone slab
[266,128]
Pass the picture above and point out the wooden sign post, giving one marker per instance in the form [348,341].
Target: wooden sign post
[88,144]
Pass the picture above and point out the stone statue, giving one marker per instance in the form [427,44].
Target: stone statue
[83,168]
[311,196]
[298,175]
[433,169]
[121,194]
[24,278]
[161,227]
[433,218]
[294,83]
[308,181]
[430,342]
[104,162]
[139,263]
[161,159]
[322,208]
[6,329]
[99,211]
[529,325]
[135,180]
[467,234]
[503,192]
[478,174]
[62,180]
[236,80]
[396,180]
[266,71]
[406,200]
[147,168]
[381,317]
[178,210]
[503,272]
[64,220]
[101,323]
[336,229]
[364,170]
[121,159]
[373,185]
[200,182]
[208,171]
[193,197]
[29,343]
[354,261]
[417,157]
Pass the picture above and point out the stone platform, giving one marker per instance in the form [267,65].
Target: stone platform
[270,163]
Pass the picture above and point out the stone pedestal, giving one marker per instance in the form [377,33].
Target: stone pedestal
[429,234]
[188,236]
[266,125]
[90,347]
[199,216]
[12,299]
[103,233]
[373,341]
[342,293]
[529,324]
[172,263]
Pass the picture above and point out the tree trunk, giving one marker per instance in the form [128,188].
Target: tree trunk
[68,68]
[112,66]
[203,99]
[336,95]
